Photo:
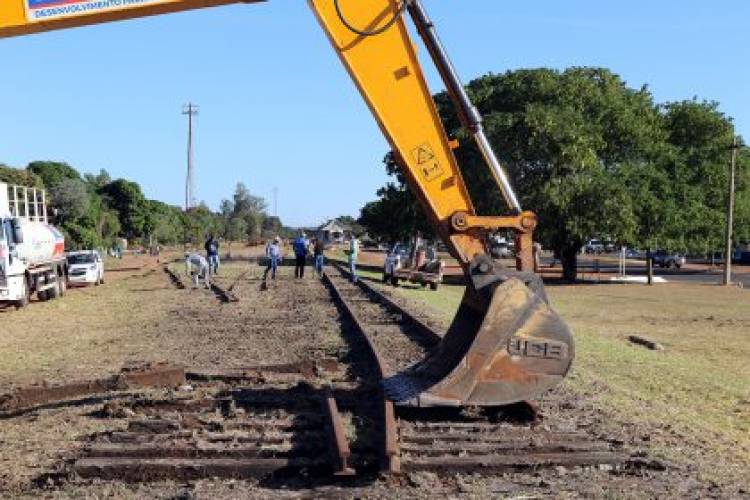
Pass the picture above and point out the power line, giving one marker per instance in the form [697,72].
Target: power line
[190,110]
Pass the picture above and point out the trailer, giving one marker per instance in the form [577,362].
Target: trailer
[32,251]
[403,263]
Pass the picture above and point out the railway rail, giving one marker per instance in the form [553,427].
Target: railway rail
[224,294]
[449,440]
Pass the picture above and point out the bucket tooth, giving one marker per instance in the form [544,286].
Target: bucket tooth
[497,352]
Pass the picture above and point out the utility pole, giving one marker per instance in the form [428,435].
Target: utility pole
[730,217]
[190,110]
[275,201]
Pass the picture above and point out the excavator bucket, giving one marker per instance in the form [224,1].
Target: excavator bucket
[505,345]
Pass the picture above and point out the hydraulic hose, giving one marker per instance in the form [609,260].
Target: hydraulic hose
[374,32]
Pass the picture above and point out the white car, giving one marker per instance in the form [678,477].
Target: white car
[85,267]
[594,246]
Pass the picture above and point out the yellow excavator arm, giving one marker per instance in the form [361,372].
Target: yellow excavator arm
[506,343]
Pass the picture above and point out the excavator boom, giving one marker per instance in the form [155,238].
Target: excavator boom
[506,343]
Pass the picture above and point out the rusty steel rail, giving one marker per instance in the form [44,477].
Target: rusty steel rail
[419,326]
[173,277]
[460,445]
[391,454]
[339,445]
[125,269]
[306,368]
[142,469]
[237,280]
[150,375]
[226,295]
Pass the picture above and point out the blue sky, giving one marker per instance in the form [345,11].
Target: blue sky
[277,108]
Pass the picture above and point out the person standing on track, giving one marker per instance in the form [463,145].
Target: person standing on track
[353,254]
[212,252]
[318,249]
[301,247]
[196,267]
[273,252]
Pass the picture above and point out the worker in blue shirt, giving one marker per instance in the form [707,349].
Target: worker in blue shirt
[300,245]
[212,253]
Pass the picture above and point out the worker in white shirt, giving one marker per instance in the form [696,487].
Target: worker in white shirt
[197,267]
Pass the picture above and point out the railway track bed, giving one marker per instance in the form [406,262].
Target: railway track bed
[244,424]
[446,440]
[307,423]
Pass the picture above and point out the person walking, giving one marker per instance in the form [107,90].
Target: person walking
[318,249]
[353,254]
[273,252]
[212,252]
[197,266]
[301,247]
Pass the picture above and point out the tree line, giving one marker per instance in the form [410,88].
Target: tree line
[593,158]
[94,211]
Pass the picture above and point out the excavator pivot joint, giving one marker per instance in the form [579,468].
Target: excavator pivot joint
[523,222]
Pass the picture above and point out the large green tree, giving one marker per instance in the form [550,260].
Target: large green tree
[233,226]
[199,223]
[19,177]
[699,140]
[98,180]
[127,199]
[564,136]
[594,158]
[164,224]
[251,209]
[53,172]
[71,199]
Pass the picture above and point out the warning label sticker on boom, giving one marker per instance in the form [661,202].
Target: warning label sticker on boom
[45,10]
[426,162]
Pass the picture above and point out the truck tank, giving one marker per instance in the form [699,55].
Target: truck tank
[42,242]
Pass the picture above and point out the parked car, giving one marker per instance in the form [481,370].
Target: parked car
[594,246]
[85,267]
[662,258]
[634,253]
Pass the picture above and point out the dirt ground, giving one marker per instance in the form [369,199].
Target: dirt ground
[650,404]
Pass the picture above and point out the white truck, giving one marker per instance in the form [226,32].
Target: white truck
[32,258]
